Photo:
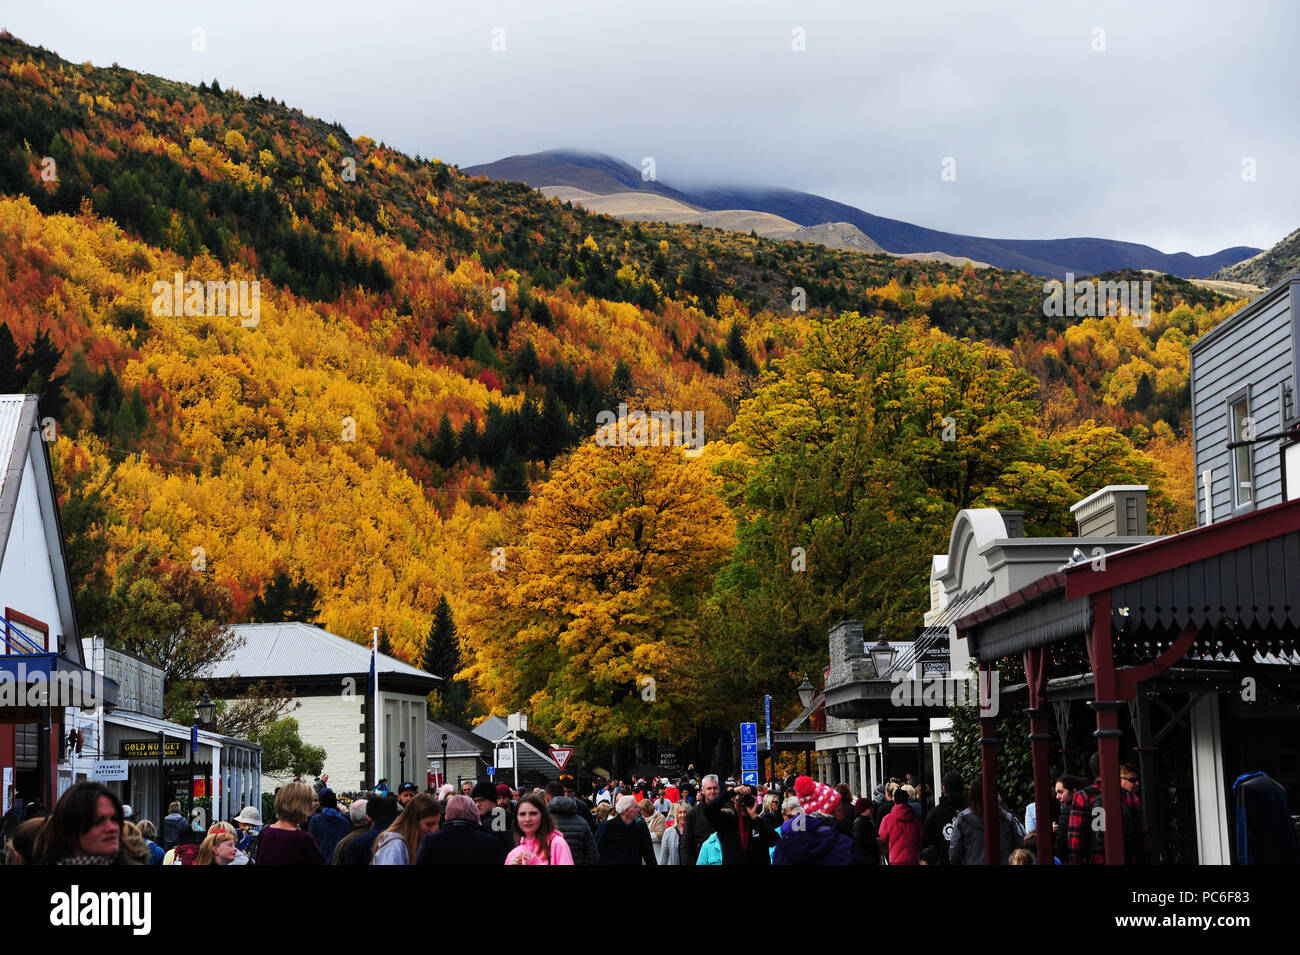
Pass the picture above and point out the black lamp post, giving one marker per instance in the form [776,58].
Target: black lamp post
[401,756]
[207,717]
[805,691]
[882,657]
[446,772]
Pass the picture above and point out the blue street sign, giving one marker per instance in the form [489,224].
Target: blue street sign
[749,751]
[767,719]
[492,772]
[749,778]
[194,740]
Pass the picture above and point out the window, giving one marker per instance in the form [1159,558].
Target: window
[24,634]
[1243,472]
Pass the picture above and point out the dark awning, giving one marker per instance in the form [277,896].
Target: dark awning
[1239,578]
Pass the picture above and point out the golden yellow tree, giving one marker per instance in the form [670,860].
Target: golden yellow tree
[594,623]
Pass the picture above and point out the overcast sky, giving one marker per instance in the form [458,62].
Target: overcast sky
[1122,120]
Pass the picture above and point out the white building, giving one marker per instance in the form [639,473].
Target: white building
[38,633]
[329,678]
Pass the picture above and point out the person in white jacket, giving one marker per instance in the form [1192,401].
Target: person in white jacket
[400,842]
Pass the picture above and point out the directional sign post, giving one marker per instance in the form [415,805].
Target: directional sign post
[749,754]
[767,729]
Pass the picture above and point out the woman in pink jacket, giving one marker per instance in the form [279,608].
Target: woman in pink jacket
[537,841]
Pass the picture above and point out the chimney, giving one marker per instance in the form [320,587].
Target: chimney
[846,644]
[1117,510]
[1014,522]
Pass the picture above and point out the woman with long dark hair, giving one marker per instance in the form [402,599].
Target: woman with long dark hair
[400,843]
[537,841]
[84,829]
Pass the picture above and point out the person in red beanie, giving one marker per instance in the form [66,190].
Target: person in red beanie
[900,831]
[812,837]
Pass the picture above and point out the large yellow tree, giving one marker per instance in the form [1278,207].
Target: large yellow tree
[593,622]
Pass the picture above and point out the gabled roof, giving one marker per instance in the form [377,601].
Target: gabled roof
[297,650]
[19,428]
[459,740]
[536,753]
[1260,301]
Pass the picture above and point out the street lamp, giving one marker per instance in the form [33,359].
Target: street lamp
[445,771]
[883,656]
[207,711]
[806,691]
[401,756]
[206,717]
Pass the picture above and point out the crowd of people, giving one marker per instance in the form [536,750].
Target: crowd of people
[644,822]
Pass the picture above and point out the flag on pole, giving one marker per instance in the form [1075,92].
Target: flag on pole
[374,659]
[374,702]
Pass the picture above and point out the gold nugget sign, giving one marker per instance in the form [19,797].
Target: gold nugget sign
[148,749]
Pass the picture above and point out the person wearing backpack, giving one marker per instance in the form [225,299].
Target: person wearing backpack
[186,851]
[967,844]
[1086,841]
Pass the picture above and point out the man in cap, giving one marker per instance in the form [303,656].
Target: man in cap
[405,793]
[492,817]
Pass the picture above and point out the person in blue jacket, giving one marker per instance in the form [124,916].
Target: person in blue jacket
[1265,833]
[329,825]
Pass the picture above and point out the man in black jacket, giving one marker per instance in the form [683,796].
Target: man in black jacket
[568,819]
[937,831]
[624,839]
[583,806]
[696,827]
[381,811]
[493,819]
[745,838]
[459,840]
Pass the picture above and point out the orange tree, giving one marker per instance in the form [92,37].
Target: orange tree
[592,622]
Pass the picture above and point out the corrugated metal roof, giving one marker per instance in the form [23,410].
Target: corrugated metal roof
[459,739]
[11,410]
[299,650]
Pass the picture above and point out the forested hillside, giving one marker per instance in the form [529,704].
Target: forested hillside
[431,349]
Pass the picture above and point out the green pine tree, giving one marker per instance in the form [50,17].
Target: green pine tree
[445,449]
[286,599]
[510,478]
[442,658]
